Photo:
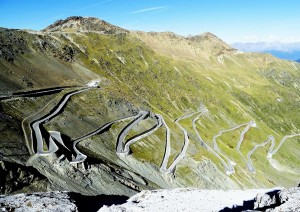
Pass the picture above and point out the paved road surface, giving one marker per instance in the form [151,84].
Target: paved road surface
[36,126]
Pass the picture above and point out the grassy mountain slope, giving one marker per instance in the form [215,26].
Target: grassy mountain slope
[167,74]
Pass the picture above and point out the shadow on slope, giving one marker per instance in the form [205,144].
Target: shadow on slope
[249,204]
[94,203]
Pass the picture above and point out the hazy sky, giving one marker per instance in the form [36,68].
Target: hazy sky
[231,20]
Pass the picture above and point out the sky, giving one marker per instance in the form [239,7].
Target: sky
[231,20]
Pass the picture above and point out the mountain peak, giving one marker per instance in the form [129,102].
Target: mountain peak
[79,23]
[211,42]
[206,36]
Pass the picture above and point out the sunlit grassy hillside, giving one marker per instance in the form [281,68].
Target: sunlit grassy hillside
[172,76]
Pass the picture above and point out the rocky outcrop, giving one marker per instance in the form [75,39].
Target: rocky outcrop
[212,200]
[12,43]
[97,178]
[78,23]
[205,46]
[57,201]
[53,201]
[159,200]
[16,178]
[284,200]
[17,43]
[264,200]
[188,199]
[214,43]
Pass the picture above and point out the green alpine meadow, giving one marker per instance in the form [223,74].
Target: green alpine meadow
[90,107]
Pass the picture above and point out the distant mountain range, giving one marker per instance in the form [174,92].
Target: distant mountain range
[287,51]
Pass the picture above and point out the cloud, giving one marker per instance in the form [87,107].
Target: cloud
[148,10]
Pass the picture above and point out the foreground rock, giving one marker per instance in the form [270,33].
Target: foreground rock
[57,201]
[285,200]
[211,200]
[51,201]
[186,200]
[16,178]
[159,200]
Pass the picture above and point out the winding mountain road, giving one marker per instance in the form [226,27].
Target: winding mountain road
[228,167]
[181,155]
[241,139]
[271,150]
[38,92]
[120,141]
[122,147]
[55,136]
[26,123]
[37,131]
[80,157]
[214,139]
[142,135]
[249,161]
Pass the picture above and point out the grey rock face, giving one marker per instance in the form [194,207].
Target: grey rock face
[52,201]
[97,179]
[158,200]
[15,178]
[211,200]
[57,201]
[284,200]
[289,199]
[263,200]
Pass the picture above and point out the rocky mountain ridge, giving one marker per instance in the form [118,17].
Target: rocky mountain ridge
[204,42]
[79,23]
